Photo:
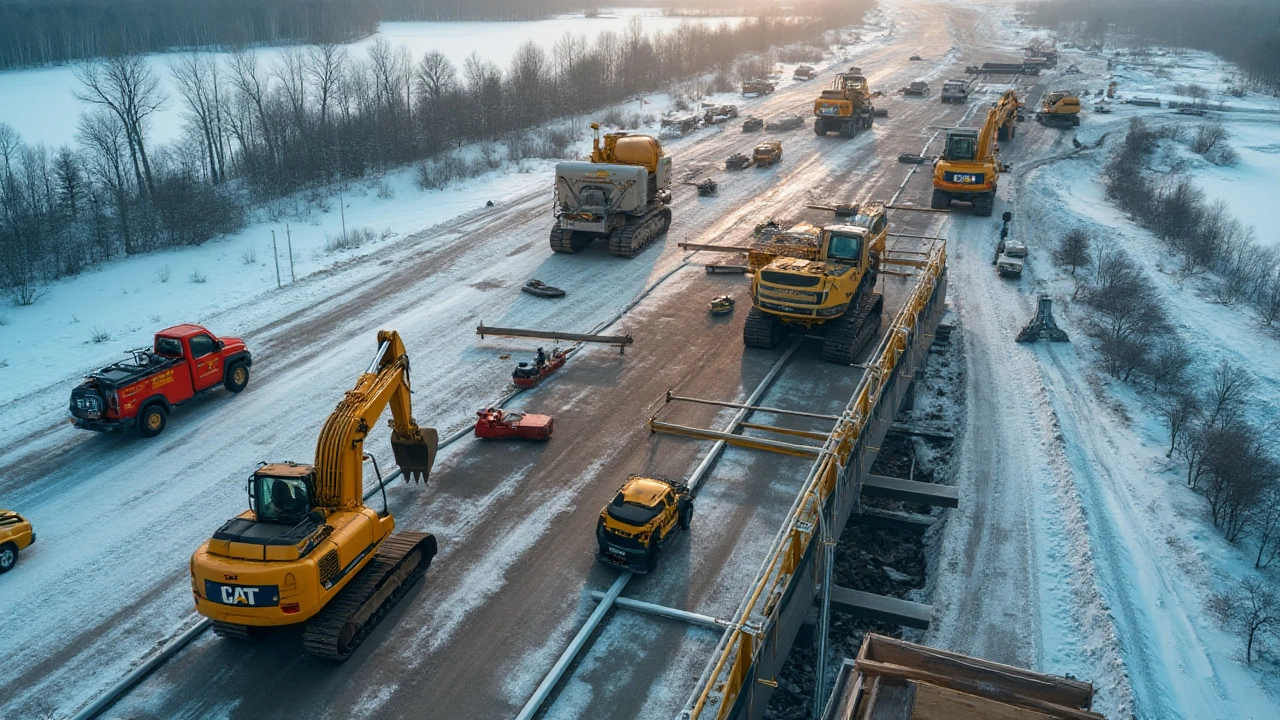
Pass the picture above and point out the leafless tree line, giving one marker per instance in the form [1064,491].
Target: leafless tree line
[1204,235]
[259,130]
[55,31]
[1232,462]
[1246,32]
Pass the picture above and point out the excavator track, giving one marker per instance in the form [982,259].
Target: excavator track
[845,337]
[762,330]
[232,631]
[568,241]
[337,630]
[628,240]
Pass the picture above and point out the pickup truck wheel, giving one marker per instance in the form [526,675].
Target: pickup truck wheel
[686,515]
[655,554]
[152,419]
[237,377]
[8,557]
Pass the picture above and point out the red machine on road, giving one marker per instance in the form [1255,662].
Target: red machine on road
[496,424]
[527,376]
[139,393]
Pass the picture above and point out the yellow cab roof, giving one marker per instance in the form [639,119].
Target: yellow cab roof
[644,491]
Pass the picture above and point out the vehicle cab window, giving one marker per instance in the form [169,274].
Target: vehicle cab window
[202,345]
[845,249]
[962,148]
[169,347]
[282,500]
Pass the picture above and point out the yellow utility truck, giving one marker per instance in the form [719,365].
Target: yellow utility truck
[645,515]
[16,535]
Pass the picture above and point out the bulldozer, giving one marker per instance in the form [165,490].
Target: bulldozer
[845,107]
[968,168]
[622,194]
[308,550]
[1059,108]
[818,278]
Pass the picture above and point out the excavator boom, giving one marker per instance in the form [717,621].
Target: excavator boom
[339,451]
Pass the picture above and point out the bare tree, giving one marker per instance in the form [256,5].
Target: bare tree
[1229,387]
[436,76]
[127,86]
[198,76]
[1251,609]
[325,64]
[1178,409]
[1073,251]
[1267,525]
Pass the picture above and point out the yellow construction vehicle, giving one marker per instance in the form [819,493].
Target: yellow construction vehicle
[845,107]
[646,514]
[623,194]
[16,535]
[308,550]
[1059,108]
[968,168]
[818,278]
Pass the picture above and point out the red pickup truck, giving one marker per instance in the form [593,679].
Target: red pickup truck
[140,392]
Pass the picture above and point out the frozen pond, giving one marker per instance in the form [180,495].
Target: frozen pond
[41,104]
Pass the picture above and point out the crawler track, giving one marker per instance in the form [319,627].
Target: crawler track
[348,619]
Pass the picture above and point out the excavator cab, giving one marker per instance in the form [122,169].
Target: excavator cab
[282,493]
[962,144]
[844,246]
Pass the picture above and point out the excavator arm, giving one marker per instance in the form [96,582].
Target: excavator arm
[340,449]
[1005,110]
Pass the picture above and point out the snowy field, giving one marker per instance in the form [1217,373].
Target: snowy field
[41,104]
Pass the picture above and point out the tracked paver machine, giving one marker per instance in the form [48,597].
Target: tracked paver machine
[623,194]
[813,275]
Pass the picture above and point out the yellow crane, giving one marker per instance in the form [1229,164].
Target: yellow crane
[968,168]
[308,550]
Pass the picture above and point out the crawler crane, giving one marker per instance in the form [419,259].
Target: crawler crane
[308,550]
[968,168]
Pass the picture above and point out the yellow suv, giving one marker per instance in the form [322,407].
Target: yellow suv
[15,534]
[645,515]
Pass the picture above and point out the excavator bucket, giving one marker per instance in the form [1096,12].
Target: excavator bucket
[416,453]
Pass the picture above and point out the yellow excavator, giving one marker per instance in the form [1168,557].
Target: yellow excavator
[1059,108]
[968,168]
[308,550]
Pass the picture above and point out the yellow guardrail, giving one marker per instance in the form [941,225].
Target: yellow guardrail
[735,656]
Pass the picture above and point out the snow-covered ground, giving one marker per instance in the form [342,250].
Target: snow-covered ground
[1126,553]
[41,103]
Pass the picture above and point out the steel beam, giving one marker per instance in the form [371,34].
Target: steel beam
[698,247]
[759,408]
[911,491]
[880,607]
[663,611]
[619,340]
[557,671]
[736,440]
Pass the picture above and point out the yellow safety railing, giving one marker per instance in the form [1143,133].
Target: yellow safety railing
[733,664]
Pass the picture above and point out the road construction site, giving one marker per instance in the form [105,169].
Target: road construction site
[485,633]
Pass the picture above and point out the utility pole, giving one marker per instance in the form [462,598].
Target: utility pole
[342,209]
[289,235]
[275,254]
